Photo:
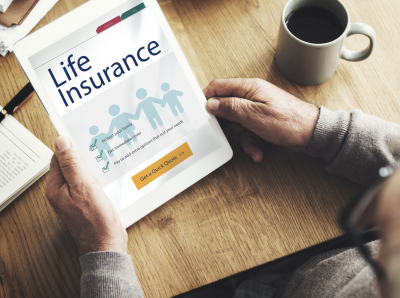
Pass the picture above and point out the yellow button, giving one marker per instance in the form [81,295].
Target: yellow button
[162,166]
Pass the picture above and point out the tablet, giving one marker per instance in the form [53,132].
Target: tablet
[112,77]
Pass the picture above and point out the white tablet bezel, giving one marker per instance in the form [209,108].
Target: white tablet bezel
[78,18]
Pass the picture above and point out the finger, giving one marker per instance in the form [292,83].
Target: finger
[234,127]
[232,88]
[230,129]
[228,134]
[55,174]
[55,179]
[235,109]
[71,163]
[249,142]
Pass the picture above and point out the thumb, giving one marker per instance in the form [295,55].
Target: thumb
[70,161]
[232,108]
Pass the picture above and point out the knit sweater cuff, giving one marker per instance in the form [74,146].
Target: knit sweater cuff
[108,274]
[329,134]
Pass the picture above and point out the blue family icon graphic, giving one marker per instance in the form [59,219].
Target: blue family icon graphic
[171,98]
[122,121]
[122,124]
[147,105]
[96,143]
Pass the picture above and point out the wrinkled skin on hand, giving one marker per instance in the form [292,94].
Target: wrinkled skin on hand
[79,200]
[254,109]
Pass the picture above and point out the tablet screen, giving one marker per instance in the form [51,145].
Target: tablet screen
[125,100]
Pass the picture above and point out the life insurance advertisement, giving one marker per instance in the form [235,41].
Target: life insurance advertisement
[129,107]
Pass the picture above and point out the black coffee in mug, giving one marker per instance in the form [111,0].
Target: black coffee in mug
[314,24]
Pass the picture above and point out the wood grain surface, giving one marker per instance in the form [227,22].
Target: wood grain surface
[241,215]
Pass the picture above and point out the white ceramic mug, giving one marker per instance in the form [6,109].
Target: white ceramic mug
[311,64]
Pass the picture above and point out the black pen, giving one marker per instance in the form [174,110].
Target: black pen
[17,101]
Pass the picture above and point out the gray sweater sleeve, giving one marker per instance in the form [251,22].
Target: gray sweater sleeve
[108,274]
[337,274]
[355,145]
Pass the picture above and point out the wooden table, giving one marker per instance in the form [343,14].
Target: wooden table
[241,215]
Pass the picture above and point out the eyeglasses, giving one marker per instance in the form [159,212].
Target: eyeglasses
[361,216]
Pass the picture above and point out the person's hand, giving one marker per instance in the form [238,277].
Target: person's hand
[254,108]
[79,200]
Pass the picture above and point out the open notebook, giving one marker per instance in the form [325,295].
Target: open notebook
[23,160]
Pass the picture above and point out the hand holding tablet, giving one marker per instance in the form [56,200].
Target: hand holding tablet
[127,94]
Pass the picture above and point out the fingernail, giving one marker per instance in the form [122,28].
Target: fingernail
[63,143]
[213,104]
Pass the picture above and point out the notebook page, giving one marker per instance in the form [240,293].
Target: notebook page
[22,158]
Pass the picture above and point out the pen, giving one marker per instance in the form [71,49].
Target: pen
[17,101]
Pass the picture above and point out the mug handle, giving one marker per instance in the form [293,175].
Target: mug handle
[364,29]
